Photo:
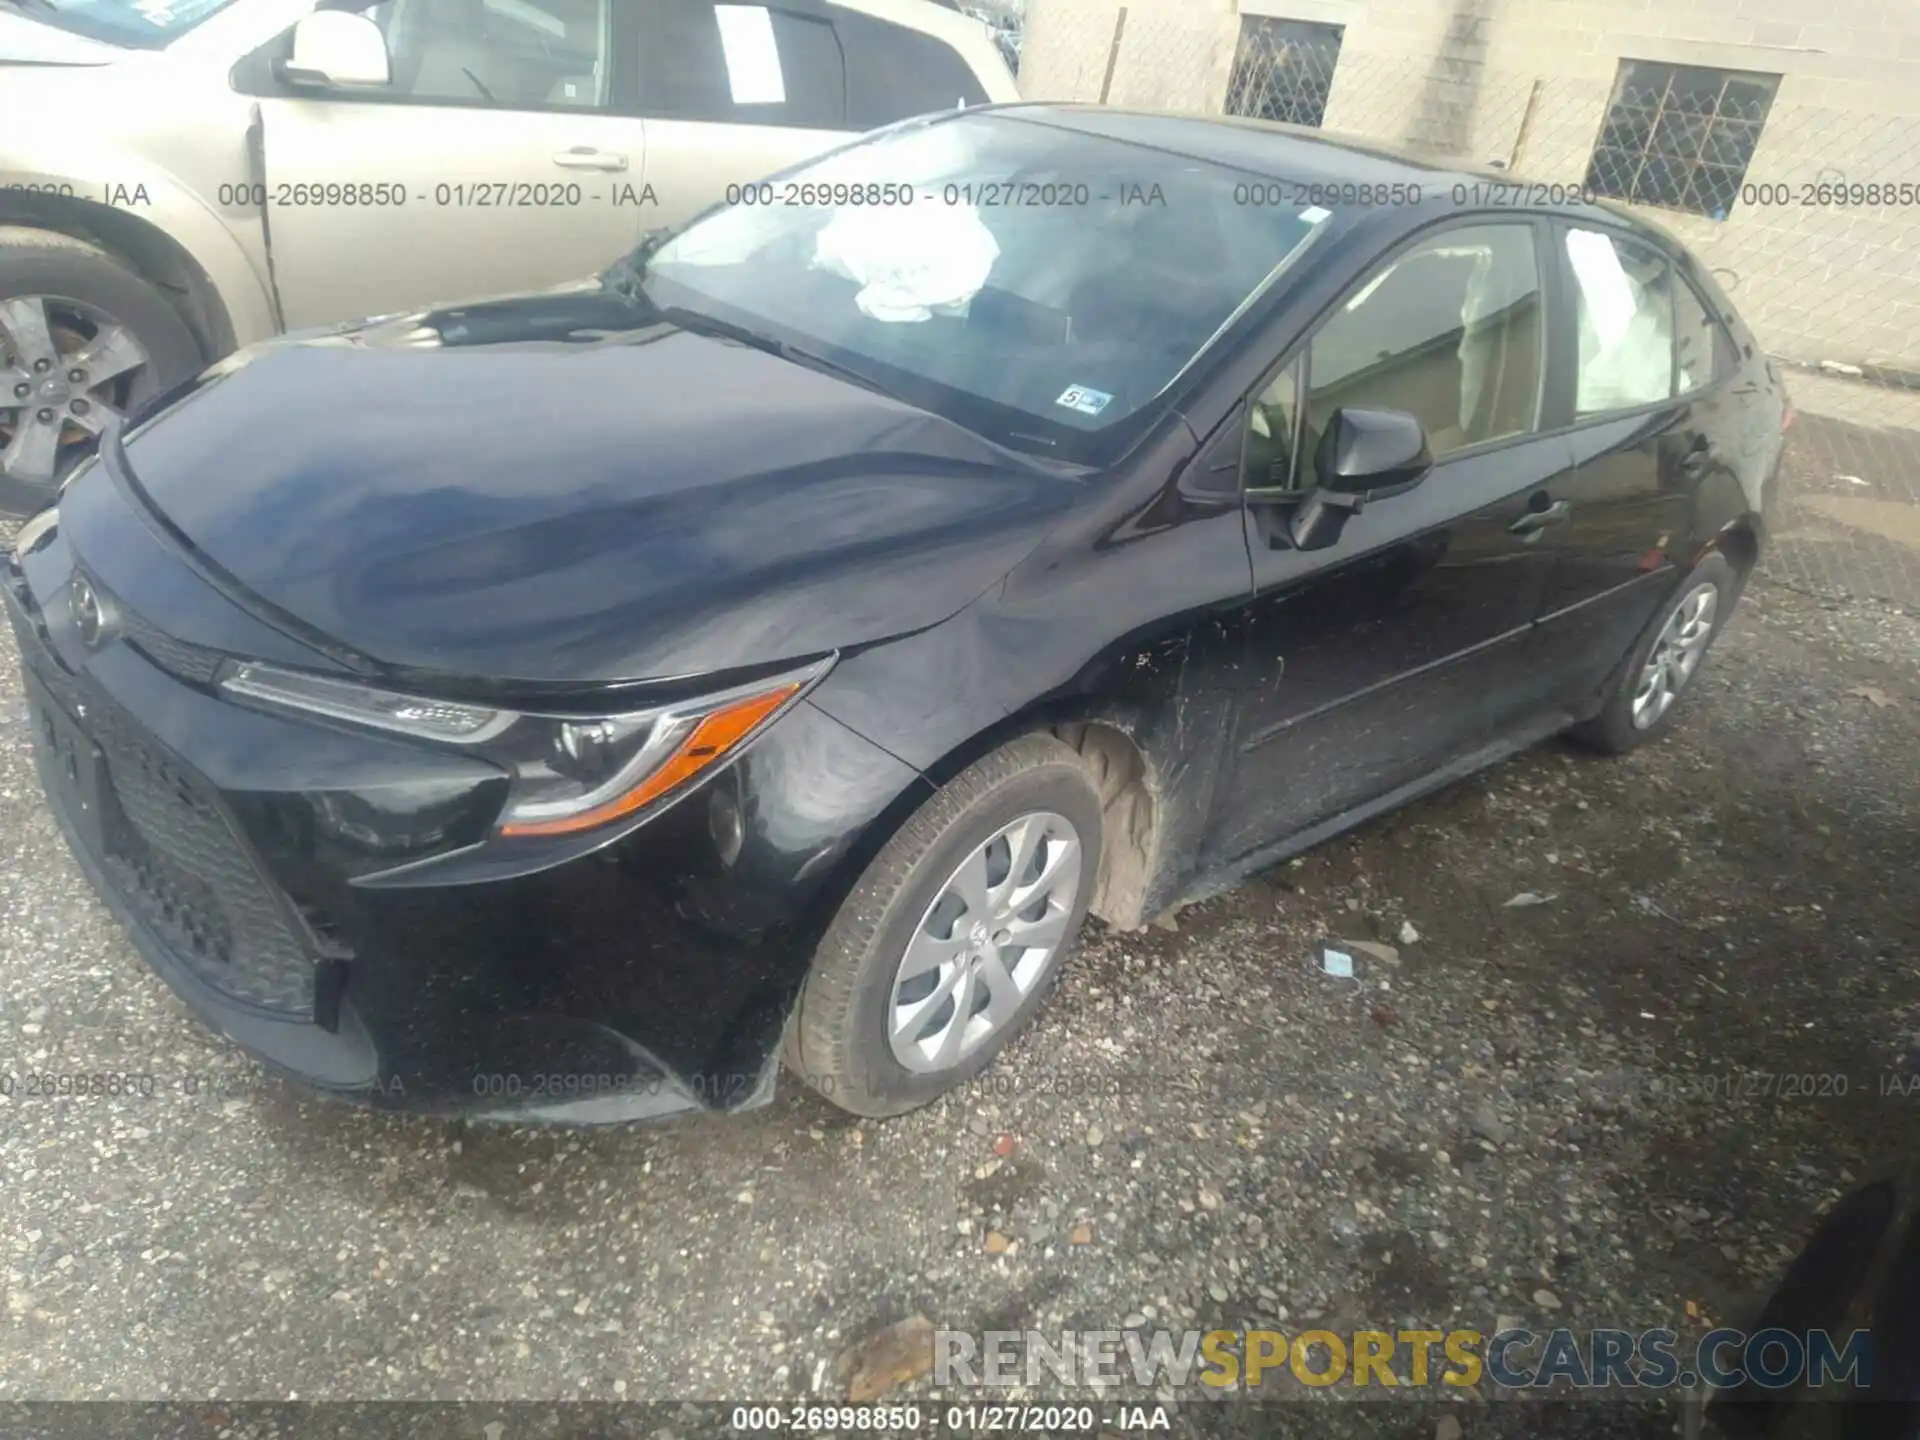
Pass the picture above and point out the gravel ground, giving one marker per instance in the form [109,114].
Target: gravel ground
[1516,1115]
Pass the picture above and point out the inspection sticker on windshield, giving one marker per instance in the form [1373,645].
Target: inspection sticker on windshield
[1314,215]
[1087,402]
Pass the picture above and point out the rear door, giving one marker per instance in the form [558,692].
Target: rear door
[1650,415]
[733,92]
[493,162]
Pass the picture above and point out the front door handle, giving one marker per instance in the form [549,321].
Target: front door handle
[585,157]
[1534,521]
[1696,460]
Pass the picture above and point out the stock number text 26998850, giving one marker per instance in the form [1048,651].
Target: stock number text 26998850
[976,194]
[385,195]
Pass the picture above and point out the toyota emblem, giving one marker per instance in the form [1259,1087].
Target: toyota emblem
[89,617]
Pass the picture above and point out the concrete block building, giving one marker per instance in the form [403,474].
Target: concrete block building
[1780,138]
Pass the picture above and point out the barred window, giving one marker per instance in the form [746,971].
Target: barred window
[1680,137]
[1283,70]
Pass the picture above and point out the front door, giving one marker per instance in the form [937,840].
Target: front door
[493,163]
[1402,646]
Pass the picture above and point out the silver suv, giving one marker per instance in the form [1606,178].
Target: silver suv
[179,178]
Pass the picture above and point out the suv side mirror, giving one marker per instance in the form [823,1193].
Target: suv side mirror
[337,49]
[1372,454]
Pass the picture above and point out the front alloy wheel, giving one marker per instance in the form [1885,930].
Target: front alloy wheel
[986,943]
[66,371]
[952,938]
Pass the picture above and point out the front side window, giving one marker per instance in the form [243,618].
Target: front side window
[1272,421]
[1031,280]
[1451,332]
[514,54]
[1624,308]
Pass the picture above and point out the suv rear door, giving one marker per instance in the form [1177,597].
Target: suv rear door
[733,92]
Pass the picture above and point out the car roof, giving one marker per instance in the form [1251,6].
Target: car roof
[1309,156]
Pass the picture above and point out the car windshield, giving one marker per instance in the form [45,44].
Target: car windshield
[142,24]
[1033,282]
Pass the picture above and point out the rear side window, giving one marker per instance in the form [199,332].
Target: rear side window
[741,64]
[894,73]
[1629,316]
[1704,350]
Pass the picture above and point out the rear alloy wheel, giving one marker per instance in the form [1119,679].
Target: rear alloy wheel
[1648,688]
[953,937]
[83,341]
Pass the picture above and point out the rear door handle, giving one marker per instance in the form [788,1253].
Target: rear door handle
[585,157]
[1534,521]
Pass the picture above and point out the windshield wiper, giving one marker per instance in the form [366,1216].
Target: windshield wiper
[627,275]
[46,5]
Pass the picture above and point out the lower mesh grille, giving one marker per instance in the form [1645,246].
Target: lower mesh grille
[173,855]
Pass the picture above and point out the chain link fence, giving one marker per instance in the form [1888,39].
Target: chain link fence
[1808,213]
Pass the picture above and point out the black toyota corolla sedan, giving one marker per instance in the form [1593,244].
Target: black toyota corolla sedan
[568,706]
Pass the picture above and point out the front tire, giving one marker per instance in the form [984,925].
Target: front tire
[1647,692]
[955,934]
[83,341]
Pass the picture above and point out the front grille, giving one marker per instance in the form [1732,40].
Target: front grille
[175,858]
[195,664]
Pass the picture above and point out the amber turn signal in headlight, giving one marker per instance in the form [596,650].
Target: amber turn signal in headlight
[571,773]
[684,746]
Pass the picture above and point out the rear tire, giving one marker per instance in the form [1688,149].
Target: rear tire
[910,969]
[59,298]
[1681,636]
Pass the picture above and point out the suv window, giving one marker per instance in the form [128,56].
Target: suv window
[510,54]
[1449,332]
[893,72]
[741,64]
[1624,295]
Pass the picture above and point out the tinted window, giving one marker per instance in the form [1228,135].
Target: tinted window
[1704,350]
[1449,332]
[1624,303]
[515,54]
[1271,422]
[740,64]
[894,72]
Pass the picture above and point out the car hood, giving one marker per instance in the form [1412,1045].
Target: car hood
[25,41]
[557,488]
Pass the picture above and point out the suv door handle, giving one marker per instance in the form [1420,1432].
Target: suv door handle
[585,157]
[1696,460]
[1534,521]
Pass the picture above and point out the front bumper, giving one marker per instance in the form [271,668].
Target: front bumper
[280,876]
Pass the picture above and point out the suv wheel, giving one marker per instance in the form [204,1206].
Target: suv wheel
[955,934]
[83,340]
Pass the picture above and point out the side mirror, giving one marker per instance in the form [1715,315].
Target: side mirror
[1364,455]
[333,49]
[1371,454]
